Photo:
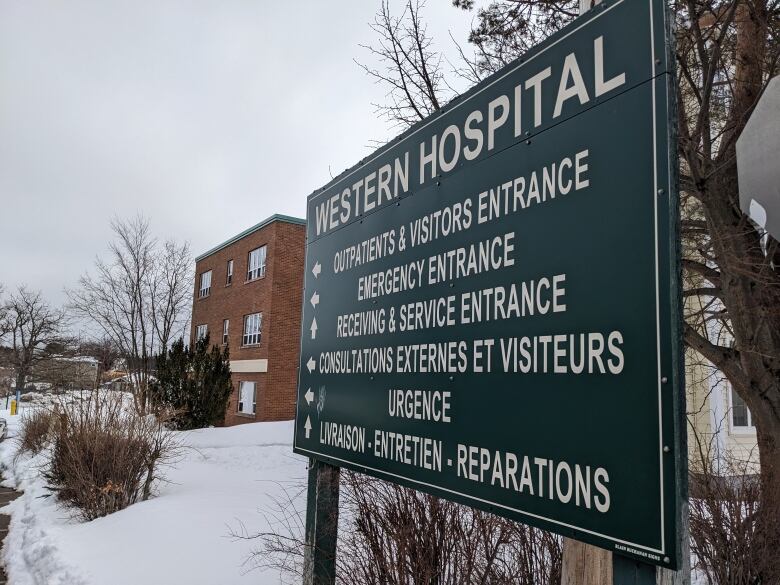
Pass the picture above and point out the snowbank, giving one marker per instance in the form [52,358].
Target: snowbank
[222,483]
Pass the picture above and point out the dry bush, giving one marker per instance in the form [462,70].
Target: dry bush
[401,536]
[393,535]
[105,456]
[729,519]
[35,430]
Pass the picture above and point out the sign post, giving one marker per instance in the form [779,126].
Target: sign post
[492,309]
[322,516]
[627,571]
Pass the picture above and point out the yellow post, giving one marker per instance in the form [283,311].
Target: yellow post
[13,407]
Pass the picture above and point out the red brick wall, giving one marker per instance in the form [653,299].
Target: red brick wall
[285,324]
[278,295]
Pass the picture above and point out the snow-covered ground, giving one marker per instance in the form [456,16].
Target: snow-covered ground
[223,482]
[226,481]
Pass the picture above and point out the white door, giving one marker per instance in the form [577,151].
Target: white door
[246,397]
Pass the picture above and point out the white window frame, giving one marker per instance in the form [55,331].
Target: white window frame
[750,429]
[253,329]
[256,264]
[225,331]
[229,277]
[205,284]
[240,402]
[201,331]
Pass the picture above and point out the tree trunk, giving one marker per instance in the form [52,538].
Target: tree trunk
[766,555]
[21,377]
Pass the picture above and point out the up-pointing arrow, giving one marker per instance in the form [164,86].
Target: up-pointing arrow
[314,328]
[315,299]
[309,396]
[307,427]
[317,269]
[311,364]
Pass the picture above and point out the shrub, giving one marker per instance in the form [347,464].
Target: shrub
[728,523]
[35,429]
[193,385]
[400,536]
[105,457]
[396,536]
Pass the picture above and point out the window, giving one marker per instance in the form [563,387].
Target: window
[253,327]
[246,398]
[256,263]
[225,330]
[201,331]
[229,278]
[205,284]
[741,419]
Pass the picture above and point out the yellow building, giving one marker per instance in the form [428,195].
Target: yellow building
[720,428]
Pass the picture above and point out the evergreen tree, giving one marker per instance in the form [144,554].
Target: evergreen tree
[211,384]
[194,383]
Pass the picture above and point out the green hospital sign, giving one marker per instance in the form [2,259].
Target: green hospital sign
[491,300]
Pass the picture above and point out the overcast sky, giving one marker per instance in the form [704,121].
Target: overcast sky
[206,116]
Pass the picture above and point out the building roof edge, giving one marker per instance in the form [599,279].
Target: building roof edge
[251,230]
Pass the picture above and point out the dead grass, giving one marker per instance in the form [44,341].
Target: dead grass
[35,430]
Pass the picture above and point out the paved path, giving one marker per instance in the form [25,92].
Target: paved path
[6,495]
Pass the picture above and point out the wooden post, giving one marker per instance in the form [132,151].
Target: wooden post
[583,564]
[322,519]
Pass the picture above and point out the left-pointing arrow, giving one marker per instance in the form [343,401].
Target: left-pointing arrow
[315,299]
[314,328]
[316,269]
[309,396]
[307,427]
[311,364]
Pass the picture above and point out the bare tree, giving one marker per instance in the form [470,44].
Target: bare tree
[410,68]
[4,323]
[30,324]
[139,298]
[726,55]
[506,29]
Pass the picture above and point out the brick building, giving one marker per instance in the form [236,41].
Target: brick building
[248,294]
